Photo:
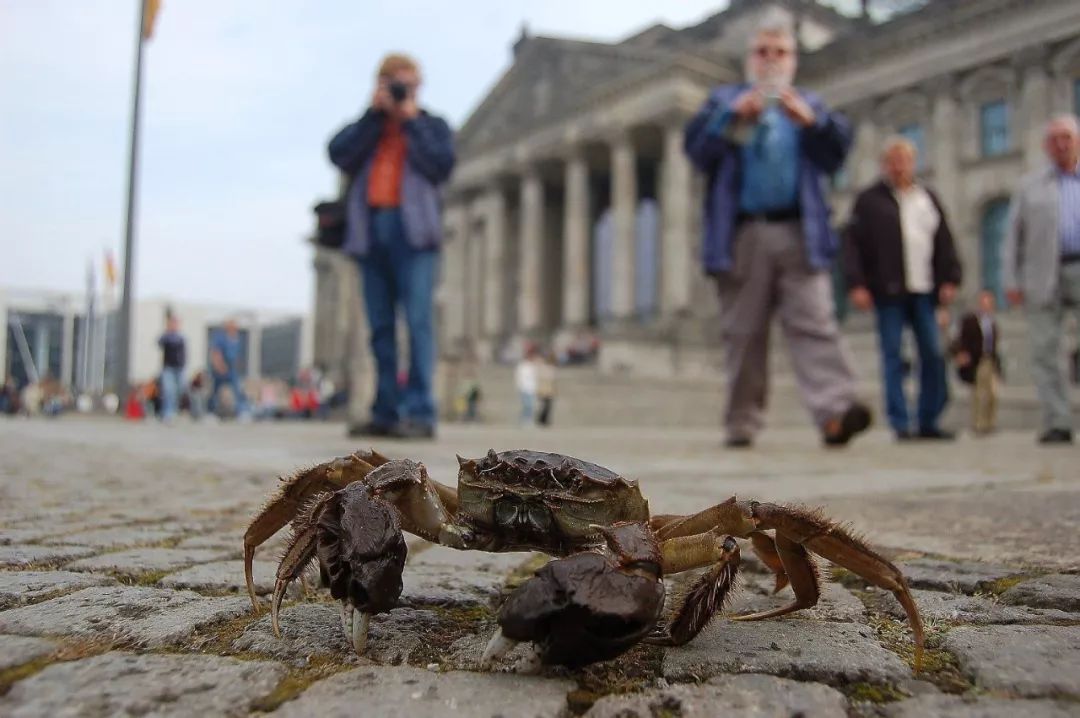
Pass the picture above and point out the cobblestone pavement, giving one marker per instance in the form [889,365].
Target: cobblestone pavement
[121,581]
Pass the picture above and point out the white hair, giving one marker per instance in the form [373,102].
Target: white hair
[774,22]
[1066,119]
[897,141]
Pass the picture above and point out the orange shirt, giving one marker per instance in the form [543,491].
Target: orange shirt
[384,182]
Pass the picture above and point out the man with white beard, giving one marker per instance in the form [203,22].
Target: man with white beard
[767,148]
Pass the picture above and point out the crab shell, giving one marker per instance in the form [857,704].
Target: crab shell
[534,501]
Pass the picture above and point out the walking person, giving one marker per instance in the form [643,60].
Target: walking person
[173,358]
[1041,267]
[901,261]
[545,387]
[767,149]
[397,155]
[225,350]
[526,381]
[978,363]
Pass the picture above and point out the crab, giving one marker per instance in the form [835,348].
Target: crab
[602,593]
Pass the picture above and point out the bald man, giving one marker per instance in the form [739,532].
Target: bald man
[1041,266]
[900,260]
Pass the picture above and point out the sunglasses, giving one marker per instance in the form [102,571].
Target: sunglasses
[771,51]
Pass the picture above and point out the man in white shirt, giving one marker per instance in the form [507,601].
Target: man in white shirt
[900,259]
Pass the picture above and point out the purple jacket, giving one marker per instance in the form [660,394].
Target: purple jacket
[824,147]
[429,159]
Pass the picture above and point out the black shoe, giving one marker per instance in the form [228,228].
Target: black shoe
[1056,436]
[739,442]
[414,430]
[371,428]
[936,434]
[904,435]
[842,429]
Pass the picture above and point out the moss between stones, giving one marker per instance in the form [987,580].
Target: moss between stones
[525,571]
[453,624]
[297,681]
[939,666]
[147,578]
[873,693]
[1000,586]
[9,676]
[71,651]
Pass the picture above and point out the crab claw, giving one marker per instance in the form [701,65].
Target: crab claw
[496,648]
[275,604]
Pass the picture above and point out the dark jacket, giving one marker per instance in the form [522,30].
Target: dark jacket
[874,246]
[970,341]
[824,146]
[429,159]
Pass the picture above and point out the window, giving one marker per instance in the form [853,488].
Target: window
[915,135]
[994,126]
[993,234]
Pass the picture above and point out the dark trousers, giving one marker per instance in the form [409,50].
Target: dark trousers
[916,310]
[397,275]
[544,417]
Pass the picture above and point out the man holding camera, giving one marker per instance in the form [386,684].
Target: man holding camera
[766,148]
[396,156]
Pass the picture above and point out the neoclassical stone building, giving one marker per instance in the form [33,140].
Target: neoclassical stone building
[573,205]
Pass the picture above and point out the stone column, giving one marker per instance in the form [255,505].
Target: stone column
[945,148]
[254,363]
[676,210]
[1033,109]
[531,233]
[494,281]
[863,164]
[575,299]
[67,347]
[624,193]
[451,291]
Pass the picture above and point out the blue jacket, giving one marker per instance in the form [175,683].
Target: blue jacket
[824,147]
[429,159]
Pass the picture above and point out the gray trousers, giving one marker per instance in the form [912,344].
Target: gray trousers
[1045,325]
[771,274]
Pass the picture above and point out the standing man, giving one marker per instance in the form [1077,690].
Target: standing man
[225,368]
[397,155]
[767,148]
[173,358]
[978,362]
[1041,266]
[901,260]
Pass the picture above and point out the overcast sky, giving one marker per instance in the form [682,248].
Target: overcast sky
[239,99]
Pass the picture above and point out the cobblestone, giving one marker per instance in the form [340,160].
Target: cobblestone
[226,576]
[1032,661]
[144,560]
[743,696]
[17,650]
[145,616]
[1060,591]
[120,683]
[29,555]
[27,586]
[959,608]
[963,707]
[962,576]
[117,536]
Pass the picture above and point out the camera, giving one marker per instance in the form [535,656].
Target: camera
[399,91]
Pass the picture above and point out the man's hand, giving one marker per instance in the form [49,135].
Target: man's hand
[947,294]
[796,107]
[407,109]
[748,105]
[381,100]
[861,298]
[1015,297]
[963,358]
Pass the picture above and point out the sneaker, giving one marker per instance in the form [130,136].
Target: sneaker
[936,434]
[1056,436]
[841,429]
[371,428]
[739,442]
[414,430]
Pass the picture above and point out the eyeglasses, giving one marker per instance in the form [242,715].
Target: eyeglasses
[765,51]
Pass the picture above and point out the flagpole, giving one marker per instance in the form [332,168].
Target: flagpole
[123,334]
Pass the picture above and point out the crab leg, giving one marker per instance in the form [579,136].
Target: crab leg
[298,555]
[799,566]
[293,493]
[708,594]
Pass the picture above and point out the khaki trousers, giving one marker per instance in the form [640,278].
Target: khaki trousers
[984,397]
[770,276]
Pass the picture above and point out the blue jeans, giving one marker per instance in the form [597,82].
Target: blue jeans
[232,381]
[918,311]
[171,381]
[395,274]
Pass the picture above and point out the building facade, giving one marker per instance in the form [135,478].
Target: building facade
[574,207]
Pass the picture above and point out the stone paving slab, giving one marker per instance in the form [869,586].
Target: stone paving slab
[315,629]
[960,576]
[450,587]
[983,707]
[1031,661]
[143,560]
[117,536]
[226,576]
[1058,590]
[428,554]
[120,683]
[226,541]
[28,555]
[146,616]
[18,587]
[976,610]
[740,696]
[834,653]
[17,650]
[390,692]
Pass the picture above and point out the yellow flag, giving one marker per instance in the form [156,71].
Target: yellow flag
[150,14]
[110,269]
